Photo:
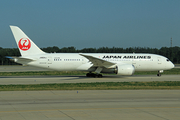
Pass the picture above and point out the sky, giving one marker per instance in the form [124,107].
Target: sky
[92,23]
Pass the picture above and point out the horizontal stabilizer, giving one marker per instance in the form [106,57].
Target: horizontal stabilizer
[20,60]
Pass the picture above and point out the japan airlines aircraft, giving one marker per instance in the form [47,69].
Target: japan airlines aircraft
[93,63]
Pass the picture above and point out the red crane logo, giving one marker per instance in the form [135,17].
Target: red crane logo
[24,44]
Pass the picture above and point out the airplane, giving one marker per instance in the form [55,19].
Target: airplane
[93,63]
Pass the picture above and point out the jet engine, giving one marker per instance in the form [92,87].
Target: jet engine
[124,69]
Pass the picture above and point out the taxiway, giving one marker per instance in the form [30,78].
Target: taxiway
[7,80]
[90,105]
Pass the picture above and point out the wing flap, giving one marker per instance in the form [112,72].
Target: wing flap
[98,62]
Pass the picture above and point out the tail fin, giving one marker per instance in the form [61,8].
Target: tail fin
[25,44]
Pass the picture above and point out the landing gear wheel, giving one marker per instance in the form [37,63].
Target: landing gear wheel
[94,75]
[99,75]
[88,74]
[159,74]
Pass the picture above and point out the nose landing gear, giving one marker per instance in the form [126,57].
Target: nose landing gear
[159,73]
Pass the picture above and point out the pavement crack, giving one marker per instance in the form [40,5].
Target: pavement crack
[66,115]
[153,114]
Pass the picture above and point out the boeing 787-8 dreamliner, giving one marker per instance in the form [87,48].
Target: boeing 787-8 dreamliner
[93,63]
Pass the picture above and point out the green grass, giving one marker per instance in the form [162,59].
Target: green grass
[166,72]
[95,86]
[35,73]
[173,71]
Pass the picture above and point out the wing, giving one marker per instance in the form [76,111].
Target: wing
[98,62]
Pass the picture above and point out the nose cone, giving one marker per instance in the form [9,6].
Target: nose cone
[171,65]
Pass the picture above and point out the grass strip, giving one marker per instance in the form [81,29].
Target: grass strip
[173,71]
[36,73]
[95,86]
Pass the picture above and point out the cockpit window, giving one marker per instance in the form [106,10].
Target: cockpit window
[167,60]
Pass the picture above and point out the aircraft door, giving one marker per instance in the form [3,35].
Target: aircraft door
[49,60]
[42,60]
[136,64]
[159,60]
[83,60]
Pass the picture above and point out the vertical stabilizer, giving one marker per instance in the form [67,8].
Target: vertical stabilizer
[25,44]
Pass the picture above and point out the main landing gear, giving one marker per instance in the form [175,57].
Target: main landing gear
[159,73]
[94,75]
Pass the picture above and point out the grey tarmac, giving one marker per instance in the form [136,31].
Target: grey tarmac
[90,105]
[7,80]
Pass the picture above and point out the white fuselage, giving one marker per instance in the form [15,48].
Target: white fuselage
[121,64]
[76,62]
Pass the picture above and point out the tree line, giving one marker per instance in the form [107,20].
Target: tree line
[173,53]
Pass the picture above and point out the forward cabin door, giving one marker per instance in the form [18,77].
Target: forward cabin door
[159,60]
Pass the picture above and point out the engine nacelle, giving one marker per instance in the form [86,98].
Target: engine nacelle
[124,69]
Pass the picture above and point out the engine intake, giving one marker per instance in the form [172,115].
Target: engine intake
[124,69]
